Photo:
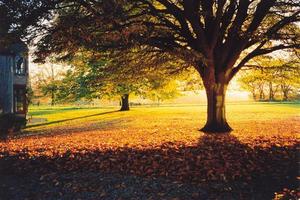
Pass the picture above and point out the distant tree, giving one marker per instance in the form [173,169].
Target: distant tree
[47,81]
[253,82]
[289,82]
[29,94]
[98,75]
[275,75]
[73,87]
[123,91]
[91,80]
[50,89]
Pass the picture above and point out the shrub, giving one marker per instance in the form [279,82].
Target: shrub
[10,123]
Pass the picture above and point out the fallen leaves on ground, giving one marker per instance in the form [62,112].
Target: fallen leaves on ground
[257,157]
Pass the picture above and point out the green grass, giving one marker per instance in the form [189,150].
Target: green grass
[189,116]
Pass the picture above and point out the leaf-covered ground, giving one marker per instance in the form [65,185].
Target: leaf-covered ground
[153,153]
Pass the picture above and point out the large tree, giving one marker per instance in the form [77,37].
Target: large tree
[216,37]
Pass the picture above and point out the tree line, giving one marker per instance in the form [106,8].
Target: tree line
[271,79]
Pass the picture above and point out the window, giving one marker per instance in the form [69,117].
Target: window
[20,66]
[19,100]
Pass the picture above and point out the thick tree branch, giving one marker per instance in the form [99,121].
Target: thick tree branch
[261,12]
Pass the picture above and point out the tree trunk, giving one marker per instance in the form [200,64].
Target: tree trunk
[271,92]
[285,92]
[285,96]
[253,94]
[216,118]
[52,97]
[261,93]
[124,102]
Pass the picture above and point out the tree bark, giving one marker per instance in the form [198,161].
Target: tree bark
[261,93]
[52,97]
[285,91]
[271,92]
[216,116]
[285,96]
[253,94]
[124,102]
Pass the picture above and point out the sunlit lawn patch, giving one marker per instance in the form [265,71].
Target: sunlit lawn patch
[173,123]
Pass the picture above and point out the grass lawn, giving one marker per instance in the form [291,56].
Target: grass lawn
[153,153]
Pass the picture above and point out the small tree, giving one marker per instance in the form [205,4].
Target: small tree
[123,91]
[289,82]
[47,80]
[253,82]
[96,74]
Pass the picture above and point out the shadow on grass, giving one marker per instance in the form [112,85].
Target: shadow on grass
[226,168]
[54,110]
[67,130]
[69,119]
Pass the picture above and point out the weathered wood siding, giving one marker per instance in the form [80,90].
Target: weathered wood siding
[6,83]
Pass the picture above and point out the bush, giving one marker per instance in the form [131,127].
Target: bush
[10,123]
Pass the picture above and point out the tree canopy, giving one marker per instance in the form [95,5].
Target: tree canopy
[94,75]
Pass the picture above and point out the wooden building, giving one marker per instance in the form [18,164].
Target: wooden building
[14,79]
